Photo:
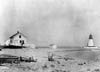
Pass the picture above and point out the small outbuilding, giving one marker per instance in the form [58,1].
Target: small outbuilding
[53,46]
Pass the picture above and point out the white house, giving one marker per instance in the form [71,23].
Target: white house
[18,39]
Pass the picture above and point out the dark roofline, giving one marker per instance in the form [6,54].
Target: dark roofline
[16,34]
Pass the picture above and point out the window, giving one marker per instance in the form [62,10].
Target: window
[21,42]
[19,36]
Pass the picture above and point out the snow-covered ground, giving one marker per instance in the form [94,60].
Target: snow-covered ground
[65,60]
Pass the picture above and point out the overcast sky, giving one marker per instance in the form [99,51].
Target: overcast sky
[62,22]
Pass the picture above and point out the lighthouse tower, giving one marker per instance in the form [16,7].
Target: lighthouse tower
[90,44]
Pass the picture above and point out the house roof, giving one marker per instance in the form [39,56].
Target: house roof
[17,34]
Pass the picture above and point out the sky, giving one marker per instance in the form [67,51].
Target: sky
[44,22]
